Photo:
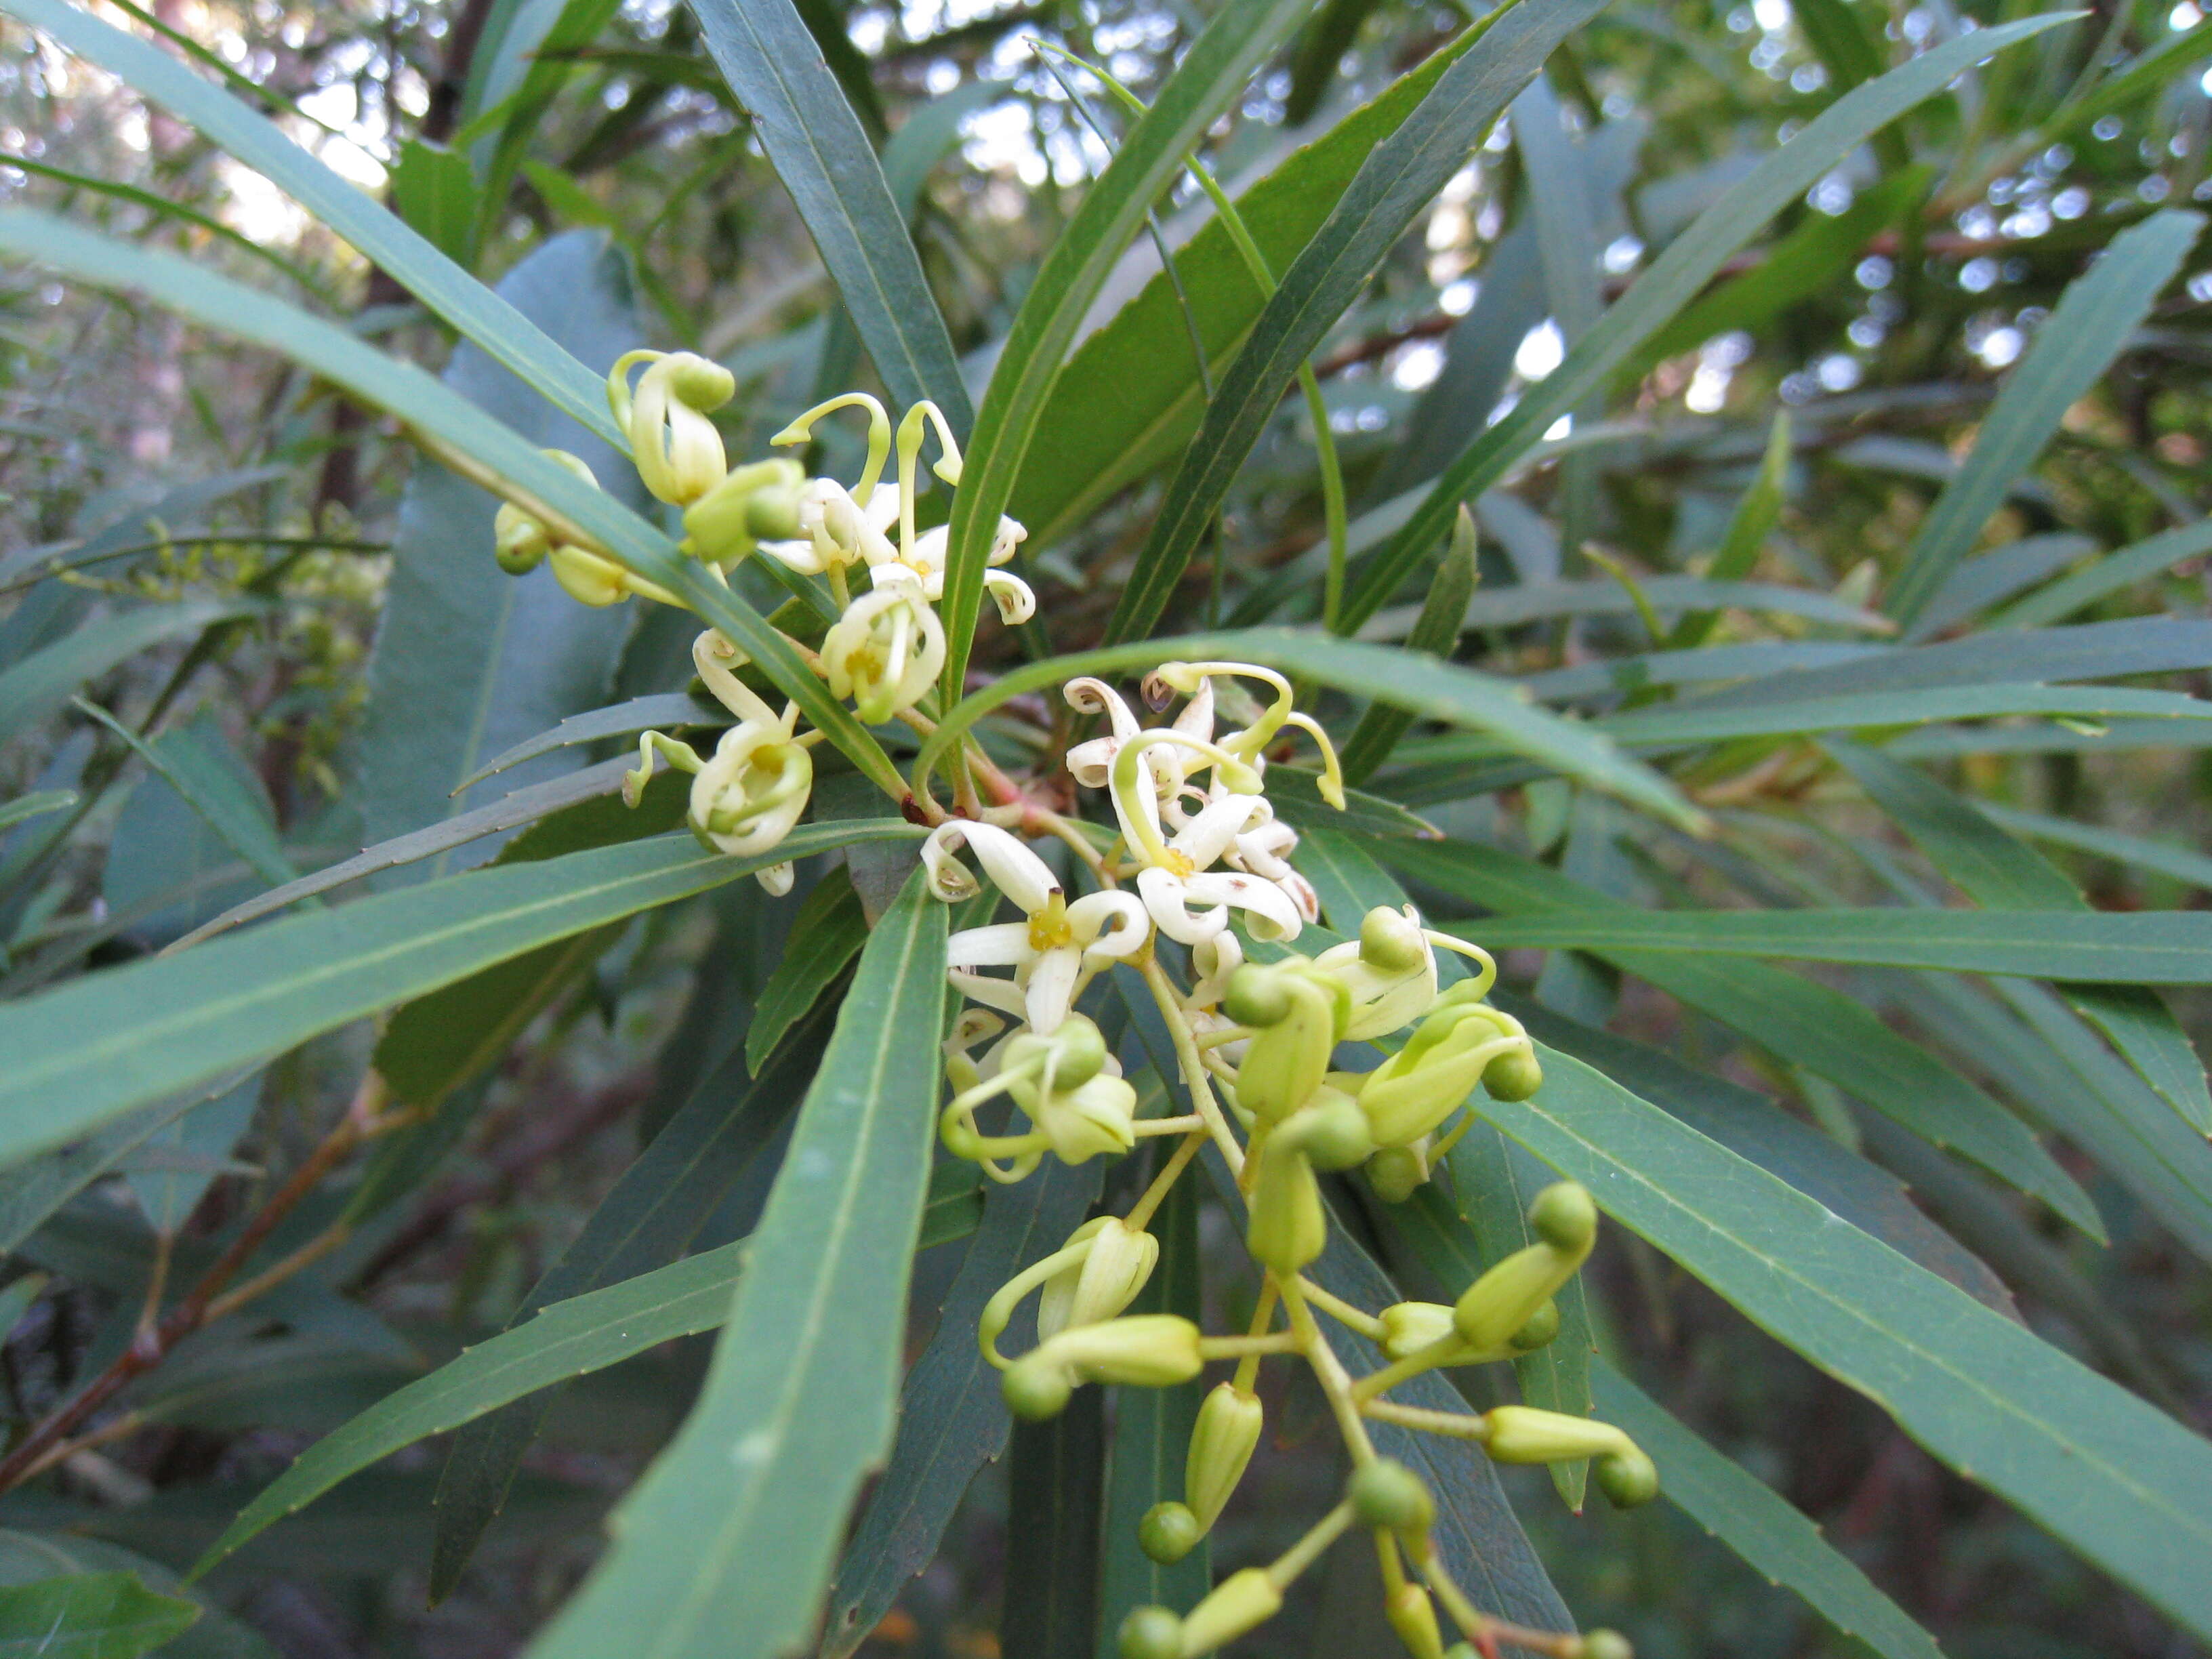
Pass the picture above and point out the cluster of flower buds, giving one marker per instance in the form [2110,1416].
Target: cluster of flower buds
[883,652]
[1203,863]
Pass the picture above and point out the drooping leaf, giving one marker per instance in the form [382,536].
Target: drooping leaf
[90,1050]
[93,1616]
[2082,1457]
[820,151]
[1674,278]
[1740,1510]
[725,1546]
[2090,324]
[1212,72]
[1398,179]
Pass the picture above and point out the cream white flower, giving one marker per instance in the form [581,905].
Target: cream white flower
[1178,871]
[677,450]
[1053,950]
[1092,763]
[885,653]
[745,800]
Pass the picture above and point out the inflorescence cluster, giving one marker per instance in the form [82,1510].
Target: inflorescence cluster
[1199,871]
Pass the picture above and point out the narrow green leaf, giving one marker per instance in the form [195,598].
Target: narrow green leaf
[1748,1515]
[1691,260]
[1749,527]
[666,710]
[37,804]
[569,1339]
[2163,947]
[2086,1459]
[464,435]
[2178,862]
[1527,602]
[239,815]
[29,1557]
[1322,46]
[1435,691]
[1150,1443]
[952,1419]
[2109,574]
[1434,631]
[1130,396]
[724,1547]
[1055,1473]
[826,932]
[1212,71]
[93,1615]
[1991,578]
[648,1220]
[43,681]
[380,235]
[434,192]
[1400,175]
[1809,1025]
[2003,874]
[93,1048]
[2092,323]
[820,150]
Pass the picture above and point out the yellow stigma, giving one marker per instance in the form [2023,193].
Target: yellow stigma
[1049,928]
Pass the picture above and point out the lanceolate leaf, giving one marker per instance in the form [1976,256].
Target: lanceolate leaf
[93,1615]
[825,934]
[724,1547]
[381,234]
[1435,690]
[2091,323]
[570,1339]
[1744,1513]
[1397,180]
[1212,72]
[1994,870]
[1675,277]
[2108,574]
[93,1048]
[821,153]
[2086,1459]
[664,709]
[2155,947]
[464,438]
[41,683]
[951,1420]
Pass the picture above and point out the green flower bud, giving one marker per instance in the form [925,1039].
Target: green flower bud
[1331,1129]
[1286,1062]
[1541,1330]
[1034,1387]
[1564,1216]
[1397,1172]
[1628,1479]
[1146,1351]
[1513,1076]
[1603,1645]
[1390,941]
[702,384]
[1221,1443]
[1410,1326]
[519,540]
[1414,1090]
[1288,1227]
[1503,1300]
[1168,1533]
[1238,1603]
[757,500]
[1256,995]
[1413,1616]
[1460,1651]
[1151,1633]
[1384,1492]
[1104,1282]
[588,578]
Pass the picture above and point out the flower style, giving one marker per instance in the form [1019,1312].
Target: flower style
[1053,950]
[1177,872]
[1091,764]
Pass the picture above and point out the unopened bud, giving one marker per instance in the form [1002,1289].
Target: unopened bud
[1221,1443]
[1105,1281]
[1288,1227]
[1168,1533]
[1523,1434]
[1098,1118]
[1151,1633]
[1036,1388]
[1146,1351]
[519,540]
[760,499]
[1238,1603]
[1410,1326]
[1541,1330]
[1390,941]
[1256,995]
[1286,1062]
[1603,1645]
[1331,1129]
[587,578]
[1413,1616]
[1513,1076]
[1503,1300]
[1396,1173]
[1628,1479]
[1384,1492]
[698,383]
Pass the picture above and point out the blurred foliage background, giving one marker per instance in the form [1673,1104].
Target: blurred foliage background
[152,469]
